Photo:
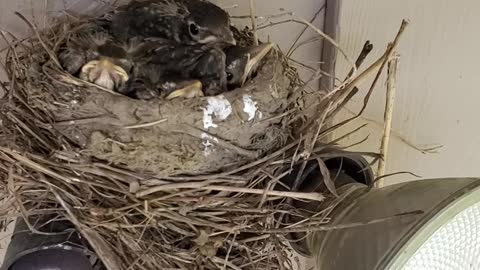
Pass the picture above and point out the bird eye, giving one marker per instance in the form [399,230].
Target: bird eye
[194,29]
[229,76]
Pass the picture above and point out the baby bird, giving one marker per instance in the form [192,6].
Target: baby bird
[242,62]
[180,28]
[104,73]
[95,58]
[169,61]
[148,83]
[186,22]
[194,71]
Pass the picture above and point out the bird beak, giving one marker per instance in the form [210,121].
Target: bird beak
[256,54]
[187,89]
[229,39]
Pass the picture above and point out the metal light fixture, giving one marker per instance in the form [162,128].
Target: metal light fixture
[443,235]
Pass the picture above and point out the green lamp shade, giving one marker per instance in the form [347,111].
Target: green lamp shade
[445,237]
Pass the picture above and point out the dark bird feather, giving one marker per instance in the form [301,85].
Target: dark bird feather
[166,59]
[183,21]
[169,64]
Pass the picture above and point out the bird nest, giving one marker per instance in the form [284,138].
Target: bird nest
[179,184]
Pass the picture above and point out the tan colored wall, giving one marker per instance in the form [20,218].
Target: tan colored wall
[438,90]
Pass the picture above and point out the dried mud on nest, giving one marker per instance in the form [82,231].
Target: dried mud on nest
[80,153]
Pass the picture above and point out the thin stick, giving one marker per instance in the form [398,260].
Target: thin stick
[26,128]
[254,22]
[272,16]
[189,185]
[200,134]
[345,93]
[424,149]
[150,124]
[329,39]
[223,261]
[275,23]
[271,185]
[388,116]
[44,45]
[23,210]
[382,61]
[229,250]
[103,250]
[285,194]
[380,178]
[319,128]
[45,15]
[299,36]
[36,166]
[339,226]
[344,102]
[366,50]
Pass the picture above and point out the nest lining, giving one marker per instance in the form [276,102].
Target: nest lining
[84,154]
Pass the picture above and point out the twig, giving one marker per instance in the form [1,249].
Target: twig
[44,45]
[23,211]
[329,39]
[340,94]
[26,128]
[303,65]
[45,14]
[366,50]
[192,185]
[380,178]
[275,23]
[303,43]
[327,179]
[357,143]
[265,159]
[224,262]
[272,16]
[335,141]
[284,194]
[315,16]
[309,149]
[382,61]
[350,90]
[36,166]
[200,134]
[391,48]
[230,7]
[137,260]
[103,250]
[388,116]
[321,123]
[336,227]
[229,251]
[271,185]
[150,124]
[344,102]
[425,149]
[254,22]
[102,119]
